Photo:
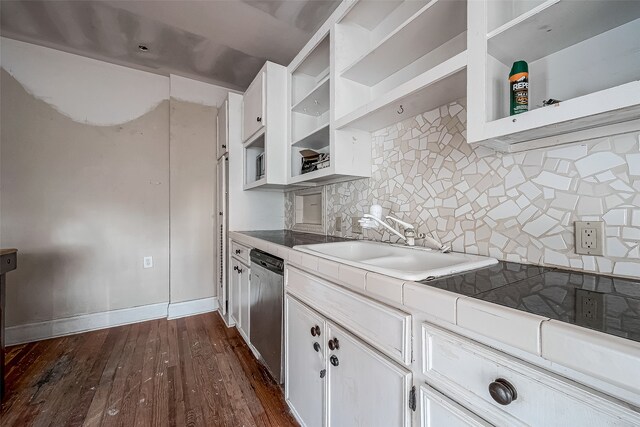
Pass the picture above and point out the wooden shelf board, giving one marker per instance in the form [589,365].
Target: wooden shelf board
[556,25]
[255,184]
[257,140]
[369,14]
[441,84]
[614,105]
[317,61]
[432,26]
[317,175]
[319,93]
[316,139]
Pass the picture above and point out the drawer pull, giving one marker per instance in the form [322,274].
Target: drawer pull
[316,346]
[315,331]
[238,251]
[334,344]
[334,360]
[502,391]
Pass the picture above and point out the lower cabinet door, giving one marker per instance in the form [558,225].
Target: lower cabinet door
[365,388]
[305,373]
[244,300]
[436,410]
[234,291]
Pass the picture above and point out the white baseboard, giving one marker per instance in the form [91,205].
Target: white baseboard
[189,308]
[83,323]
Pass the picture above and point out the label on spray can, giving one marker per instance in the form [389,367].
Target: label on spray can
[519,87]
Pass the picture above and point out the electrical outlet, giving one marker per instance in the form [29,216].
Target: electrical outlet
[356,227]
[589,237]
[147,262]
[339,225]
[590,308]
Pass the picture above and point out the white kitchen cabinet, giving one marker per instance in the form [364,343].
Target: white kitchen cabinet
[364,387]
[436,410]
[253,108]
[234,292]
[305,364]
[223,129]
[239,298]
[335,379]
[264,142]
[585,54]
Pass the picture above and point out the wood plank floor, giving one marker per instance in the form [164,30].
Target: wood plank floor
[186,372]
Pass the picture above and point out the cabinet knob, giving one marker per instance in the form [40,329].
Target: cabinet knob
[224,146]
[235,268]
[239,270]
[334,344]
[238,251]
[502,391]
[316,346]
[323,373]
[258,119]
[315,331]
[334,360]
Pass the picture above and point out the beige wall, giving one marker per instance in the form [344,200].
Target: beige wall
[98,169]
[83,204]
[193,187]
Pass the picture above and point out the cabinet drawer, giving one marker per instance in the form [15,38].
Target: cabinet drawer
[464,370]
[436,410]
[611,359]
[383,327]
[239,251]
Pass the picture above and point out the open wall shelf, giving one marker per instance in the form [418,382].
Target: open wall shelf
[442,20]
[586,54]
[438,86]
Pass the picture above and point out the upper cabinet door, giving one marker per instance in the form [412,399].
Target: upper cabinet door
[253,112]
[365,388]
[223,129]
[305,364]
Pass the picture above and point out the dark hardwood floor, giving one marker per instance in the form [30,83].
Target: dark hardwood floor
[185,372]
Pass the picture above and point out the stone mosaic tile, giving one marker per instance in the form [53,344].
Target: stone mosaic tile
[516,207]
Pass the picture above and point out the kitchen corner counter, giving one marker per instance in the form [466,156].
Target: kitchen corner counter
[290,238]
[546,292]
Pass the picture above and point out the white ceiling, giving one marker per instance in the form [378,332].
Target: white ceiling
[221,41]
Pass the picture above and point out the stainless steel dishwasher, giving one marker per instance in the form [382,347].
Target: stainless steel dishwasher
[266,291]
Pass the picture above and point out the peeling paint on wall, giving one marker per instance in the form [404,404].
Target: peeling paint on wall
[85,90]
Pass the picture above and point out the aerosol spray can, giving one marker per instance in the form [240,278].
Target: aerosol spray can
[519,88]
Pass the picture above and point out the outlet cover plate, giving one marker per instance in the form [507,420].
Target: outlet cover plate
[147,262]
[589,237]
[590,308]
[356,227]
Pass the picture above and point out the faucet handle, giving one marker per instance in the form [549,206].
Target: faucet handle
[406,225]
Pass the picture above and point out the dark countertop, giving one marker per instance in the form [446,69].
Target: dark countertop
[544,291]
[554,293]
[290,238]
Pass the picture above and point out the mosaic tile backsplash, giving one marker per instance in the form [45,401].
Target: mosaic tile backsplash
[516,207]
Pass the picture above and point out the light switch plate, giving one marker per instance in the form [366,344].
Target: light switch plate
[589,237]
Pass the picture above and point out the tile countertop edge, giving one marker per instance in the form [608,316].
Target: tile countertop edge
[460,300]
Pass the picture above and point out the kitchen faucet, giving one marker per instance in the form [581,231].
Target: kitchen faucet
[409,231]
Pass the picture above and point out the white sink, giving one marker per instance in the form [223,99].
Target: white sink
[402,262]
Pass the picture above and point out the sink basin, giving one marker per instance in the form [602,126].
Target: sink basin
[401,262]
